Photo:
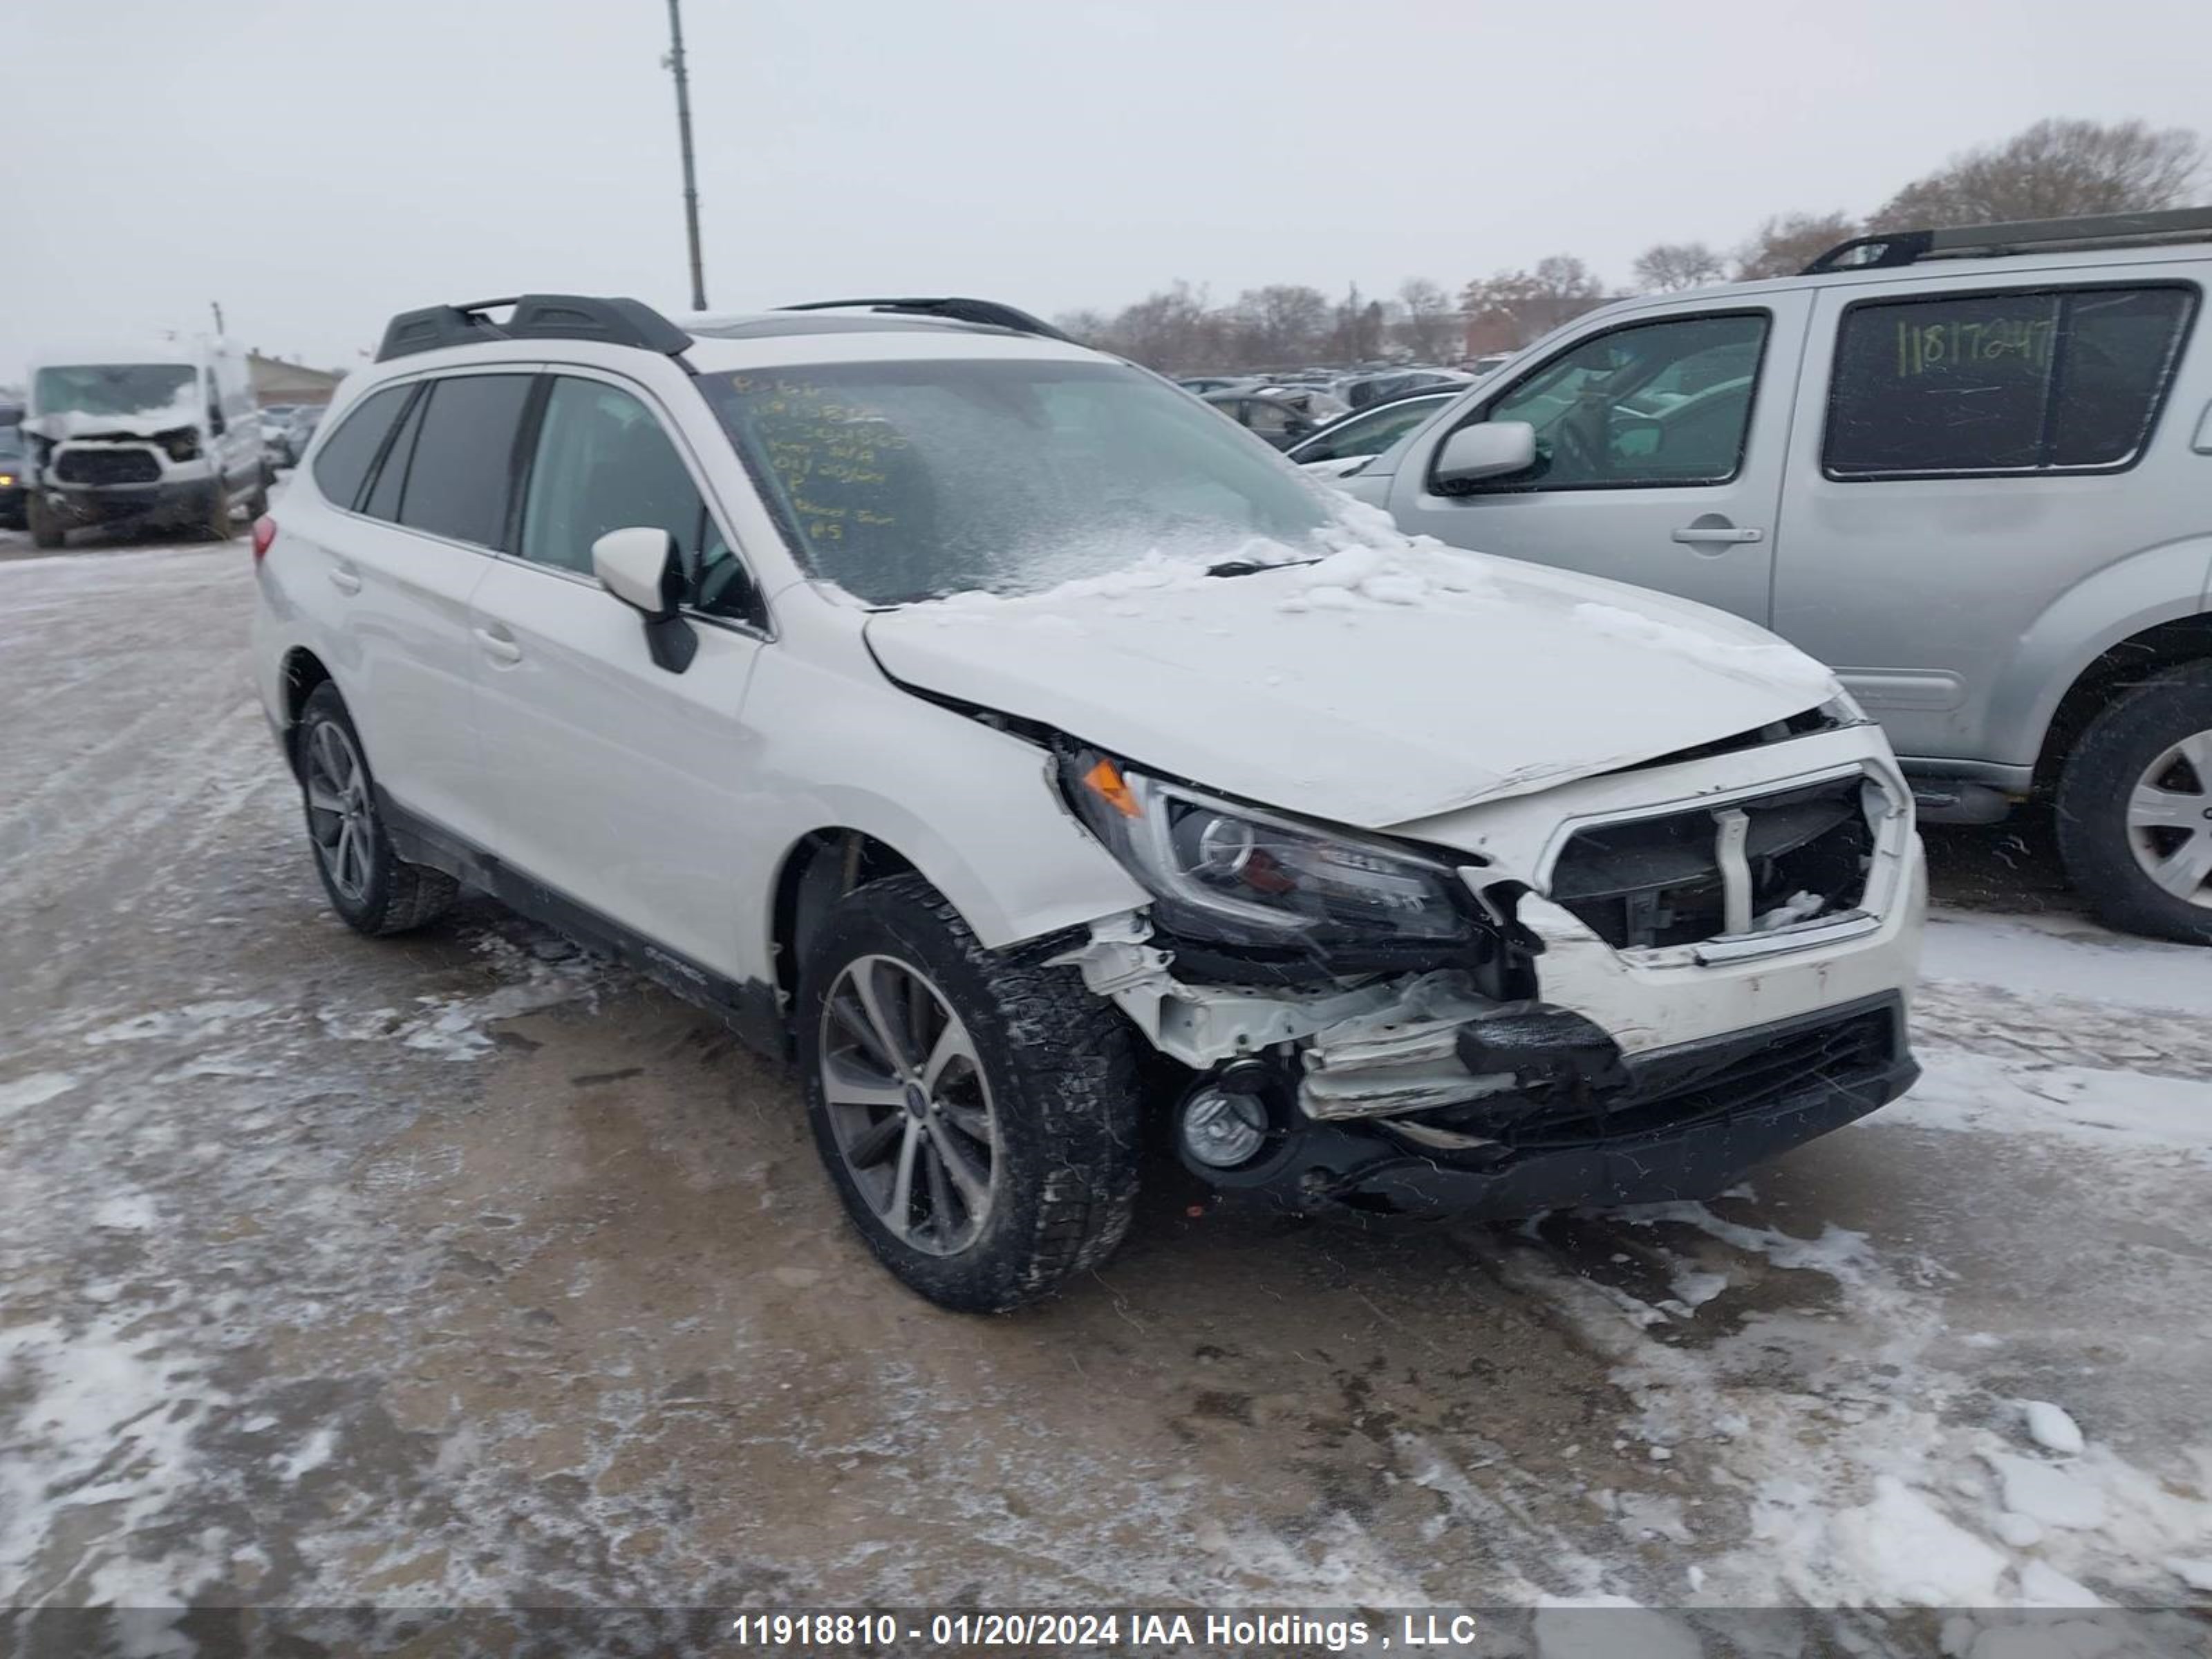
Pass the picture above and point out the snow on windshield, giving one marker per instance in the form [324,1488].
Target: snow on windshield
[900,482]
[129,389]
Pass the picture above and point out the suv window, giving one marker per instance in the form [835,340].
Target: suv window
[1646,404]
[463,457]
[603,463]
[2013,381]
[342,463]
[383,501]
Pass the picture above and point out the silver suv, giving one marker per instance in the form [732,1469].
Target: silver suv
[1971,469]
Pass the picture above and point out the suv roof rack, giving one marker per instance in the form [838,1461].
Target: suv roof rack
[535,317]
[988,313]
[1907,247]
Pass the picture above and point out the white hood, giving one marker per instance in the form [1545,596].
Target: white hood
[1371,689]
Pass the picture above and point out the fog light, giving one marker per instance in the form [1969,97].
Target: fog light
[1221,1128]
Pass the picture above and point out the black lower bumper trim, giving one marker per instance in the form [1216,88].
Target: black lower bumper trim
[1693,1121]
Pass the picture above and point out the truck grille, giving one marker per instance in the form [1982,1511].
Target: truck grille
[1678,879]
[107,466]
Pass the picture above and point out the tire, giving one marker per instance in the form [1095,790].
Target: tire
[46,530]
[373,891]
[1042,1102]
[216,524]
[2135,797]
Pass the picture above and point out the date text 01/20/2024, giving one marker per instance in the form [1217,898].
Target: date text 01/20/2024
[1078,1630]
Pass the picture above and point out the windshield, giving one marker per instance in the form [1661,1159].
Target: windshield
[111,388]
[11,441]
[900,482]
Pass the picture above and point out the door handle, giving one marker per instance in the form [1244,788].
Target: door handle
[1693,534]
[345,580]
[498,647]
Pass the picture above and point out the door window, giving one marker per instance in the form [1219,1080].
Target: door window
[603,463]
[2012,382]
[1647,405]
[342,463]
[464,461]
[1369,433]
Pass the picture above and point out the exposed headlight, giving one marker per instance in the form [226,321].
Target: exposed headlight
[183,443]
[1237,874]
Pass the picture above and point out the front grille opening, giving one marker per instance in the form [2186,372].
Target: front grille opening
[107,466]
[1661,881]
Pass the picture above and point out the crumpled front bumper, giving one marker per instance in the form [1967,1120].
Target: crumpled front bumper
[1685,1123]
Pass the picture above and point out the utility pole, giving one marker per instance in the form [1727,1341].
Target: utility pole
[683,131]
[215,306]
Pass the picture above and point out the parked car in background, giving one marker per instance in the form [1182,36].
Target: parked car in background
[1200,384]
[276,433]
[15,478]
[1365,391]
[1282,415]
[299,428]
[163,434]
[1344,446]
[1528,891]
[1972,469]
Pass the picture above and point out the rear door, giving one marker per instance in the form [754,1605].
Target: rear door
[426,525]
[1660,439]
[613,781]
[1968,453]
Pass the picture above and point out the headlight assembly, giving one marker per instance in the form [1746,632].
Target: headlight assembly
[1239,875]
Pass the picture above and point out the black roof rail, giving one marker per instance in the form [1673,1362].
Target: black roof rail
[1889,248]
[535,317]
[989,313]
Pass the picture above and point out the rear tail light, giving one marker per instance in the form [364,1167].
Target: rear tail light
[264,532]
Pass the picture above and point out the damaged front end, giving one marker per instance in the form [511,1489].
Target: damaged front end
[1624,990]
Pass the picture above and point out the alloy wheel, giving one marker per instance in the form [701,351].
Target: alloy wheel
[2169,817]
[909,1105]
[340,818]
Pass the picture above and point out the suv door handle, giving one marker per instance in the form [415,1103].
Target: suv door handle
[343,579]
[1693,534]
[498,647]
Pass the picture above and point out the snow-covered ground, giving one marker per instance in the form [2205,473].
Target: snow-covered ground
[465,1269]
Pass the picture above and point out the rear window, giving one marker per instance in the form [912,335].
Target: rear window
[342,464]
[464,459]
[2012,382]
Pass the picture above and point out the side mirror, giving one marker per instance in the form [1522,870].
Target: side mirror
[638,565]
[1494,449]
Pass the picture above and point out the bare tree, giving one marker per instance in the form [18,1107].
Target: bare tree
[2057,169]
[1430,326]
[1787,243]
[1666,267]
[1093,328]
[1356,330]
[1279,325]
[1515,307]
[1171,330]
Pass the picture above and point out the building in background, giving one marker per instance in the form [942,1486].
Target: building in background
[276,381]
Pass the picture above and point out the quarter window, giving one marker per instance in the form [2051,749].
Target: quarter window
[1650,404]
[2015,382]
[342,464]
[464,460]
[383,501]
[605,462]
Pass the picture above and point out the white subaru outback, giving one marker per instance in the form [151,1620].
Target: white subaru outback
[1044,763]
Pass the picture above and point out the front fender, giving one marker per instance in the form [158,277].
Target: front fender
[2159,585]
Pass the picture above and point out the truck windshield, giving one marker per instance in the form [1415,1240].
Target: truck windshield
[111,388]
[900,482]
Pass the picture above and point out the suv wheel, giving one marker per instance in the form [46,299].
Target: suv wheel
[372,888]
[977,1111]
[2135,809]
[46,530]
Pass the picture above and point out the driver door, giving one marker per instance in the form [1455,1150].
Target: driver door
[1660,443]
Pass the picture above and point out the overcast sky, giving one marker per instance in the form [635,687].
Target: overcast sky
[316,165]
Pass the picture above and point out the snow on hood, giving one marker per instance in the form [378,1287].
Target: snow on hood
[186,409]
[1389,681]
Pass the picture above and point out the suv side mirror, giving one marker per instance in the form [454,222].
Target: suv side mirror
[1494,449]
[638,566]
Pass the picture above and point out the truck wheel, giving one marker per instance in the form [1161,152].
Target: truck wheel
[217,523]
[977,1111]
[45,529]
[372,888]
[2135,808]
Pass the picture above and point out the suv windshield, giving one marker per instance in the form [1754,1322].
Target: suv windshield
[900,482]
[111,388]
